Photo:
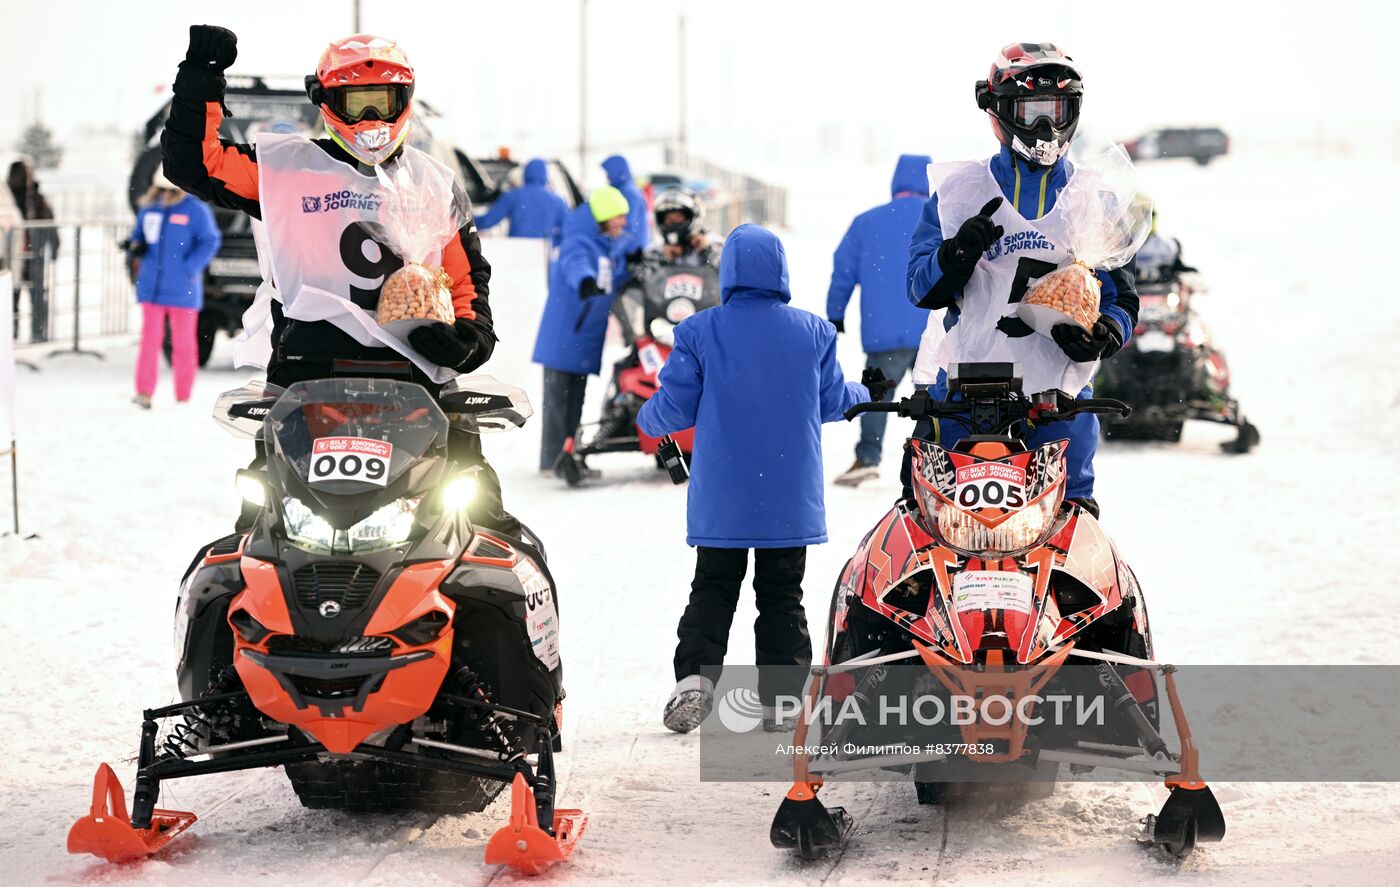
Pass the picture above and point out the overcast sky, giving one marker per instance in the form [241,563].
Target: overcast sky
[761,73]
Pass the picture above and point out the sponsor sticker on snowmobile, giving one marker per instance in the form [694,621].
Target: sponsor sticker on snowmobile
[650,358]
[350,458]
[990,485]
[541,616]
[992,590]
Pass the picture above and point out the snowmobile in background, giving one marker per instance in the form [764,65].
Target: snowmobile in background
[1171,371]
[990,580]
[660,296]
[363,636]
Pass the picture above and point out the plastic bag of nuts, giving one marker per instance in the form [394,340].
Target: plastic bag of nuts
[415,295]
[1101,218]
[1068,295]
[421,209]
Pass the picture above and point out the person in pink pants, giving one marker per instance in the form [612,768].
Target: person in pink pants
[174,239]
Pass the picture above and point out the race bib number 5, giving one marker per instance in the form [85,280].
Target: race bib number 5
[990,485]
[350,458]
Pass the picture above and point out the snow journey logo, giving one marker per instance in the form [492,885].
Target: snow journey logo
[1018,241]
[347,199]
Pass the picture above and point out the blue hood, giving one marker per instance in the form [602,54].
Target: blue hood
[581,223]
[535,172]
[754,259]
[619,173]
[911,174]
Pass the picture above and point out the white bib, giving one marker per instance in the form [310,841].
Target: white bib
[325,264]
[1005,273]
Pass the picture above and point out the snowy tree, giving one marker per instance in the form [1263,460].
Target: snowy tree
[37,144]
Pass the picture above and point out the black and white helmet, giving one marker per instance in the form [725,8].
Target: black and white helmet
[1032,94]
[678,200]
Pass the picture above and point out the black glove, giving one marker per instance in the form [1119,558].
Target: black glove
[1084,346]
[212,48]
[838,322]
[463,346]
[1014,327]
[875,382]
[588,288]
[201,76]
[960,253]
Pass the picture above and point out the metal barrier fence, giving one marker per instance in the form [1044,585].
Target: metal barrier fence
[742,198]
[71,281]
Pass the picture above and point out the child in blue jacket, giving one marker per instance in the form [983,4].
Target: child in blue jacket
[756,378]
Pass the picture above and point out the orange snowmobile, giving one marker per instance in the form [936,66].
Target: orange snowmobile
[363,636]
[989,581]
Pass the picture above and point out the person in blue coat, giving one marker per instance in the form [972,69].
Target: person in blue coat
[174,238]
[1032,96]
[638,214]
[873,256]
[533,210]
[755,378]
[589,272]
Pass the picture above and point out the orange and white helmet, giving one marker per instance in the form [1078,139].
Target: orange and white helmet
[364,85]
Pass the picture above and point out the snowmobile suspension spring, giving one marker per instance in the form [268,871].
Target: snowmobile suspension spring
[470,684]
[185,736]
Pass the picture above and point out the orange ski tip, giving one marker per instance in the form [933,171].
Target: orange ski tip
[526,847]
[107,831]
[804,791]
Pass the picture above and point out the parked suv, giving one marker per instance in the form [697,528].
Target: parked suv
[1202,144]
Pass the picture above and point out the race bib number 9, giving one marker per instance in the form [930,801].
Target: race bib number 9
[350,458]
[992,590]
[990,485]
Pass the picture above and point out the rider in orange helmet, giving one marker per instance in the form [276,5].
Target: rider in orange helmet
[318,202]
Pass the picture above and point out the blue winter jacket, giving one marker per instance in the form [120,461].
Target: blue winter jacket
[1031,191]
[571,329]
[180,239]
[874,255]
[533,209]
[756,378]
[638,214]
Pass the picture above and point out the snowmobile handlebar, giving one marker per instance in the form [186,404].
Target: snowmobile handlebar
[1048,406]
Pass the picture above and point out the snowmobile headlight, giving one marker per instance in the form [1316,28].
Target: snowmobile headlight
[390,525]
[305,527]
[251,487]
[459,492]
[663,331]
[961,530]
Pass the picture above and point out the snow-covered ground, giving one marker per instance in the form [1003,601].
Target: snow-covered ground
[1245,559]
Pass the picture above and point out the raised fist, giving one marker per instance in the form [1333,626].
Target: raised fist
[212,48]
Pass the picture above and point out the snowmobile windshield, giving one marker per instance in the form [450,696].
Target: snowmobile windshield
[347,435]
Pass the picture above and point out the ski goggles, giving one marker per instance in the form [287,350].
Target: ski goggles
[1058,110]
[381,101]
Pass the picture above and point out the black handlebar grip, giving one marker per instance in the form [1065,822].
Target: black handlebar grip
[872,408]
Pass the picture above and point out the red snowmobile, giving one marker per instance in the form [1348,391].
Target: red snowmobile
[988,583]
[1172,371]
[363,635]
[661,296]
